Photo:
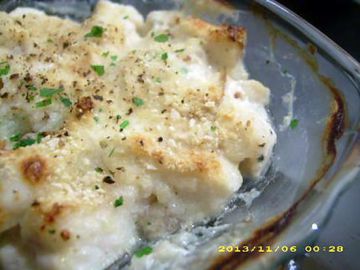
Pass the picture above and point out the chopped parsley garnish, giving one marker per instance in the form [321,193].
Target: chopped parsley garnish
[39,137]
[99,170]
[112,152]
[164,56]
[119,202]
[4,68]
[99,69]
[43,103]
[124,124]
[31,87]
[96,31]
[114,57]
[118,117]
[138,101]
[105,54]
[52,231]
[49,92]
[294,123]
[180,50]
[126,17]
[66,101]
[162,38]
[158,80]
[143,251]
[96,119]
[15,138]
[213,128]
[24,143]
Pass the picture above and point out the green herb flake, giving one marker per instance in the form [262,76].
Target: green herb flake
[118,117]
[158,80]
[162,38]
[213,128]
[4,68]
[96,119]
[39,137]
[261,158]
[138,101]
[49,40]
[15,138]
[112,152]
[52,231]
[105,54]
[49,92]
[124,124]
[119,202]
[31,88]
[294,123]
[96,31]
[143,251]
[126,17]
[164,56]
[99,69]
[24,143]
[180,50]
[114,58]
[43,103]
[66,101]
[98,170]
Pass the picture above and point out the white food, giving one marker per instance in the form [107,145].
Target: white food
[189,121]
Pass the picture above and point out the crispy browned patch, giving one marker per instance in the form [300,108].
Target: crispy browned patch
[55,211]
[232,33]
[185,161]
[65,235]
[34,169]
[84,105]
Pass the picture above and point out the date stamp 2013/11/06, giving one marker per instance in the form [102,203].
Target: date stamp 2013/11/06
[283,249]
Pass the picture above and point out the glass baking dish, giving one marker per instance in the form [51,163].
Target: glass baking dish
[312,163]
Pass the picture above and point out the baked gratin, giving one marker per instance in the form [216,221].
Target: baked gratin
[119,130]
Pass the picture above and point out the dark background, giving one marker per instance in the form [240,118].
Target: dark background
[339,20]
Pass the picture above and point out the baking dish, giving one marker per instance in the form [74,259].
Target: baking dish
[312,163]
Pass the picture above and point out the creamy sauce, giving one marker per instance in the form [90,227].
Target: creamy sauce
[119,130]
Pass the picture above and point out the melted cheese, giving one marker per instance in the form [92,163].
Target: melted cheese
[173,159]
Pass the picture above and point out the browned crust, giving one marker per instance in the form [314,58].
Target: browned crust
[84,105]
[34,169]
[232,33]
[50,216]
[65,235]
[191,161]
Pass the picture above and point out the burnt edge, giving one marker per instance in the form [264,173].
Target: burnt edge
[336,124]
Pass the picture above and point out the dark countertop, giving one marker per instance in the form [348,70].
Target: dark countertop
[339,20]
